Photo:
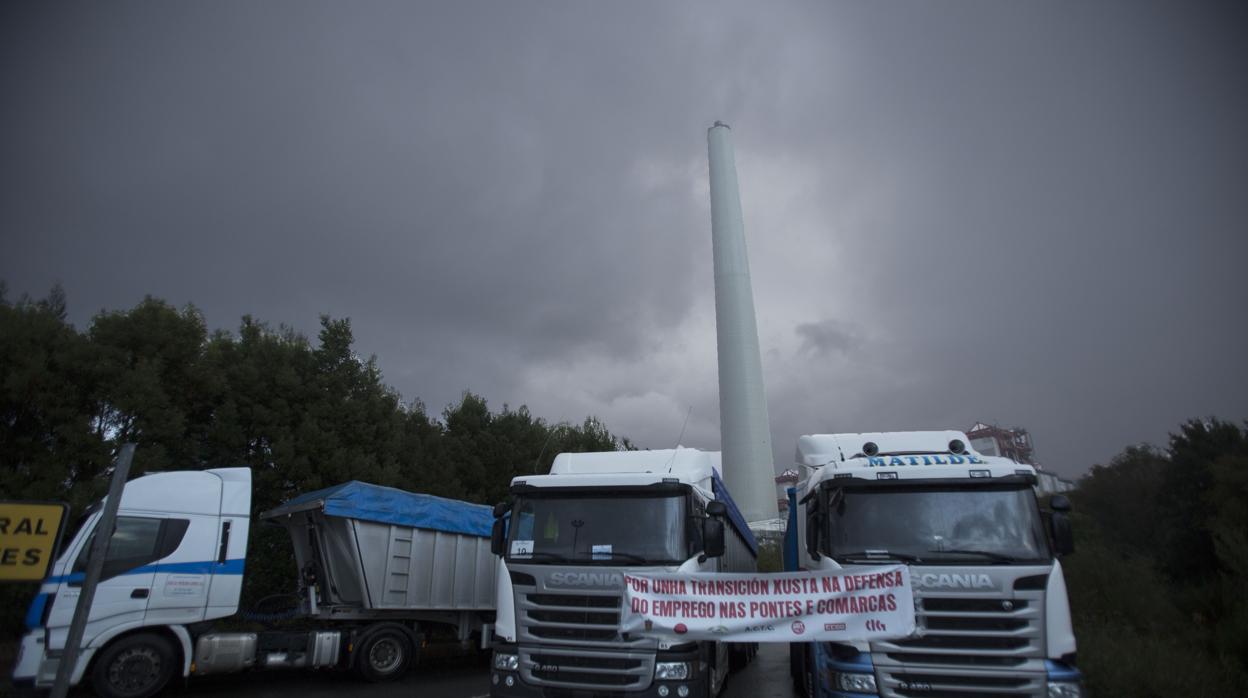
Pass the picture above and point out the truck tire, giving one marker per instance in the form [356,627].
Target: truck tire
[384,655]
[738,656]
[136,666]
[718,670]
[808,671]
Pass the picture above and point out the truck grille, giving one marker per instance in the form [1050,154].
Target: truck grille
[586,669]
[573,618]
[967,645]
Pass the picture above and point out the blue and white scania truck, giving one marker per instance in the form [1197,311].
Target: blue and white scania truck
[992,611]
[375,564]
[565,540]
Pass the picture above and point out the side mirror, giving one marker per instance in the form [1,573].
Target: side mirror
[813,519]
[1063,536]
[501,508]
[712,538]
[498,535]
[1059,502]
[716,508]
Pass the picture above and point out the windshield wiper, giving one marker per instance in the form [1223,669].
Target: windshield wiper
[556,557]
[633,557]
[877,554]
[995,557]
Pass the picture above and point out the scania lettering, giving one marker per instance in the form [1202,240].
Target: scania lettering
[993,616]
[376,566]
[951,581]
[585,579]
[564,541]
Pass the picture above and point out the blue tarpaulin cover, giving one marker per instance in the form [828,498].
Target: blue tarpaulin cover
[734,514]
[360,500]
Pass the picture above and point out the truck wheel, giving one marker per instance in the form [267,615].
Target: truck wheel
[384,655]
[719,669]
[808,672]
[796,664]
[137,666]
[738,656]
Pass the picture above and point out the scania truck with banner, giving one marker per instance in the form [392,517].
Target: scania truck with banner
[376,567]
[567,538]
[992,616]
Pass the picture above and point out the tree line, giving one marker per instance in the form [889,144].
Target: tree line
[1159,579]
[1158,585]
[301,414]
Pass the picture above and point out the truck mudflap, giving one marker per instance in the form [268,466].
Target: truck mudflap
[521,681]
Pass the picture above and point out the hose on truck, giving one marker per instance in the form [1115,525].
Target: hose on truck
[257,616]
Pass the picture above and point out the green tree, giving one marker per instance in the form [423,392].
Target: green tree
[149,371]
[1122,497]
[47,440]
[1228,526]
[1187,480]
[300,416]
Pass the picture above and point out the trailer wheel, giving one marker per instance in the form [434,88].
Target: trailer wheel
[384,655]
[137,666]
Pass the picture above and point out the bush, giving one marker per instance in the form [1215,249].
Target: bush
[1159,587]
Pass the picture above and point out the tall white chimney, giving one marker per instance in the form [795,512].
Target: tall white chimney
[745,430]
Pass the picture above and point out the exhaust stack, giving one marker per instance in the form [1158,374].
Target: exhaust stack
[745,429]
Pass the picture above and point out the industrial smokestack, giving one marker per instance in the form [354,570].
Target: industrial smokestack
[745,430]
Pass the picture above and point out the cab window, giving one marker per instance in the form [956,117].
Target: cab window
[136,541]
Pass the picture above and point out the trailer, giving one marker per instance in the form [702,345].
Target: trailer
[376,566]
[368,552]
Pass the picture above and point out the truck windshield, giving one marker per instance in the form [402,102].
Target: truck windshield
[936,526]
[618,529]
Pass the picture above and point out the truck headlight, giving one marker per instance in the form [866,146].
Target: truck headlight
[506,662]
[1064,689]
[671,671]
[855,683]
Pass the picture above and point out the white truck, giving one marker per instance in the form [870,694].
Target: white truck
[992,611]
[563,542]
[375,563]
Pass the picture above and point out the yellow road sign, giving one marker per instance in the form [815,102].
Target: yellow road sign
[29,532]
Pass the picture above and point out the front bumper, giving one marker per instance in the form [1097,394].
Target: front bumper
[892,680]
[29,655]
[697,684]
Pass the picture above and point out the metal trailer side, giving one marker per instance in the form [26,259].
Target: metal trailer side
[367,552]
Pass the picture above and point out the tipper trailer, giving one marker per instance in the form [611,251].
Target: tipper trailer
[992,611]
[375,563]
[565,541]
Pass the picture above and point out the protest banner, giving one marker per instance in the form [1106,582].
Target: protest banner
[863,603]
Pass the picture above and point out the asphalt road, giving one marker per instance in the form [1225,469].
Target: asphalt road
[453,676]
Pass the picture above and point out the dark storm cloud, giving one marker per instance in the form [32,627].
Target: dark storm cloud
[1028,213]
[828,337]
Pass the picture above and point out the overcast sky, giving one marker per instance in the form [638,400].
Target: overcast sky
[1028,213]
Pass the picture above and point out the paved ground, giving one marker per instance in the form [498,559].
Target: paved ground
[438,676]
[456,677]
[766,677]
[449,675]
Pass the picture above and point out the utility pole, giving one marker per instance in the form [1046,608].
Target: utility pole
[95,567]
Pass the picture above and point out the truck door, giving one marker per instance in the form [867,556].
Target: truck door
[183,575]
[125,586]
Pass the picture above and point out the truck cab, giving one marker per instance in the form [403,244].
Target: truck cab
[564,541]
[175,557]
[991,603]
